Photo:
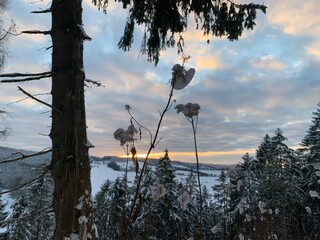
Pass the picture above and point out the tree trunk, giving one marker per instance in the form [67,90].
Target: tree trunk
[70,166]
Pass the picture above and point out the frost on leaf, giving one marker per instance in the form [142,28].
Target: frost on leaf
[184,199]
[277,211]
[318,173]
[158,192]
[317,166]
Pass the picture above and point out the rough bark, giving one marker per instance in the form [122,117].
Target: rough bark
[70,165]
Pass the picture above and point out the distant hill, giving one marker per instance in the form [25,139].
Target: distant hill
[15,173]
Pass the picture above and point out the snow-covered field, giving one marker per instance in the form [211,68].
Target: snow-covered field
[100,173]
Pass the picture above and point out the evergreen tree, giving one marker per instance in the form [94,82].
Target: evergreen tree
[102,209]
[222,205]
[209,217]
[311,141]
[310,160]
[166,212]
[19,229]
[30,218]
[189,204]
[116,208]
[144,223]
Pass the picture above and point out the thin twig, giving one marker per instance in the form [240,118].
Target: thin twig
[141,126]
[39,94]
[23,156]
[38,100]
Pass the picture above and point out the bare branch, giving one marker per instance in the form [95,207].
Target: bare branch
[43,11]
[96,83]
[40,94]
[23,156]
[25,79]
[13,75]
[36,32]
[26,183]
[38,100]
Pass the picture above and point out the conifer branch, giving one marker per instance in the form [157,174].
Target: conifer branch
[23,156]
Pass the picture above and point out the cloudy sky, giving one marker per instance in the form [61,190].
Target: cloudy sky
[268,79]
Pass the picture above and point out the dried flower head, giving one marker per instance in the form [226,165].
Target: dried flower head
[190,110]
[125,136]
[127,106]
[181,77]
